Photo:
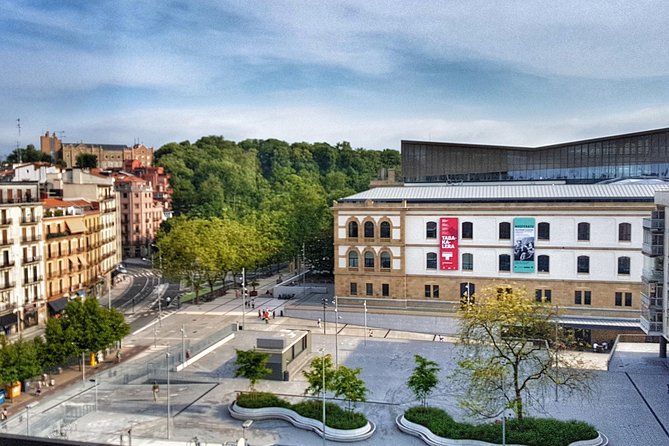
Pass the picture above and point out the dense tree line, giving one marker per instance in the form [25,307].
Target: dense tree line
[282,190]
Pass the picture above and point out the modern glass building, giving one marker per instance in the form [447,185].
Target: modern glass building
[641,154]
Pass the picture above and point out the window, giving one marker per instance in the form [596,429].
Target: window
[582,297]
[369,260]
[432,291]
[543,264]
[353,229]
[467,262]
[385,260]
[505,230]
[583,264]
[583,231]
[354,289]
[369,289]
[623,265]
[369,229]
[544,231]
[384,229]
[431,262]
[504,262]
[431,229]
[352,259]
[628,299]
[543,295]
[586,297]
[385,290]
[624,232]
[467,230]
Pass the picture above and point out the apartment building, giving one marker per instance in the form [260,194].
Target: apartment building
[22,294]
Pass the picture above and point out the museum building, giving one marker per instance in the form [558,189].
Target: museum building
[578,246]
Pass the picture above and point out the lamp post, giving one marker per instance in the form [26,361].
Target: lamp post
[167,361]
[28,407]
[183,343]
[245,425]
[336,315]
[83,367]
[323,364]
[243,297]
[557,360]
[95,381]
[109,292]
[325,301]
[364,304]
[160,311]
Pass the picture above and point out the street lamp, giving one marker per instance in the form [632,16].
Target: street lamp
[245,425]
[243,297]
[95,380]
[83,367]
[336,312]
[325,301]
[364,304]
[183,343]
[167,361]
[28,407]
[322,350]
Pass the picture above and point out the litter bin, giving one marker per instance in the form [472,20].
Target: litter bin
[2,396]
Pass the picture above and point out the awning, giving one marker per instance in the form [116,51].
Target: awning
[82,259]
[586,322]
[56,306]
[7,320]
[76,226]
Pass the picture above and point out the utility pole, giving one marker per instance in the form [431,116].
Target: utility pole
[243,298]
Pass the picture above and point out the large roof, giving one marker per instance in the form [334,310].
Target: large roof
[467,193]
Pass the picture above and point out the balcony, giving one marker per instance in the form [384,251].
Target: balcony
[652,249]
[652,275]
[7,285]
[7,264]
[651,301]
[31,239]
[5,222]
[52,235]
[28,260]
[6,242]
[29,281]
[57,273]
[654,224]
[31,221]
[651,328]
[7,306]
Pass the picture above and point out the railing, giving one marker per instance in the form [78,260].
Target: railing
[650,328]
[652,275]
[654,224]
[7,264]
[6,222]
[8,285]
[648,301]
[6,242]
[30,281]
[31,239]
[6,306]
[31,221]
[652,249]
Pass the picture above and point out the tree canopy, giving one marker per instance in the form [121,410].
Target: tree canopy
[424,378]
[252,365]
[28,155]
[86,160]
[283,189]
[509,346]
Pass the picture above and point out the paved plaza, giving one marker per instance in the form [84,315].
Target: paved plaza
[631,407]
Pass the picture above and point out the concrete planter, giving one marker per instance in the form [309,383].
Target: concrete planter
[428,437]
[297,420]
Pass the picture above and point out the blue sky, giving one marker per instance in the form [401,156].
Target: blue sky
[371,73]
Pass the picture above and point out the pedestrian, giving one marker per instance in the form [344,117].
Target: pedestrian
[100,357]
[4,415]
[253,305]
[273,314]
[318,322]
[259,314]
[371,333]
[187,354]
[118,356]
[155,389]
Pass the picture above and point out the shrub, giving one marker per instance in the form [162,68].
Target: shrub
[528,431]
[335,416]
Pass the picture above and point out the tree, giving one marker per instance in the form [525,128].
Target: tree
[347,384]
[28,155]
[505,339]
[19,361]
[424,379]
[314,375]
[252,365]
[86,161]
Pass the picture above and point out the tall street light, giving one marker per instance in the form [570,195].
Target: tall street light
[336,315]
[323,364]
[243,297]
[95,381]
[183,343]
[28,407]
[364,304]
[167,361]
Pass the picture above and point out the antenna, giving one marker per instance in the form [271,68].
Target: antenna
[18,141]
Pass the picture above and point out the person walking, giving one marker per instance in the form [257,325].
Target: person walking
[5,415]
[155,389]
[118,356]
[318,322]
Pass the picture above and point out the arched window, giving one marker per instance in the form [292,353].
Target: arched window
[431,229]
[431,261]
[384,229]
[623,265]
[385,260]
[583,264]
[369,259]
[352,259]
[543,264]
[467,230]
[467,261]
[505,230]
[624,232]
[353,229]
[504,262]
[369,229]
[584,231]
[544,231]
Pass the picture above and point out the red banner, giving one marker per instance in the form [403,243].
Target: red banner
[448,246]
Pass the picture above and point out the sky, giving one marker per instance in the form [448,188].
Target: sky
[368,72]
